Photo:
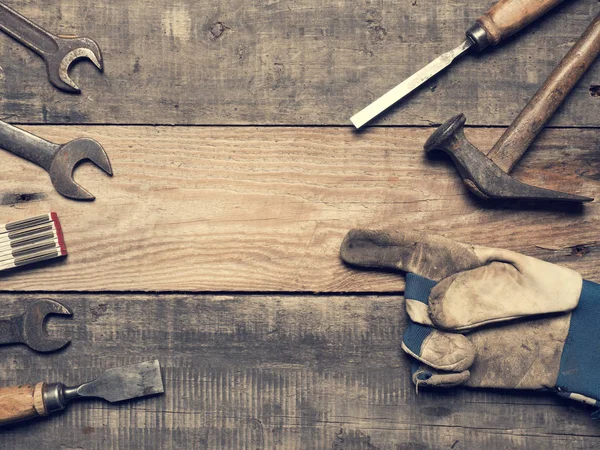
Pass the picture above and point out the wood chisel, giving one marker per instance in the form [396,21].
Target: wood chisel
[502,20]
[28,401]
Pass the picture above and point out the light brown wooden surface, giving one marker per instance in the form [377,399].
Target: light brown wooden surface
[286,372]
[232,229]
[20,402]
[265,209]
[287,62]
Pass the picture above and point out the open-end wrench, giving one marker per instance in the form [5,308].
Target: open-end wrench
[58,52]
[58,160]
[28,328]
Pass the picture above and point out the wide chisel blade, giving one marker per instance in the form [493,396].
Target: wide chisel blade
[409,85]
[124,383]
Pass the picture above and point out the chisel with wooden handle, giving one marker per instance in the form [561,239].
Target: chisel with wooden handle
[28,401]
[502,20]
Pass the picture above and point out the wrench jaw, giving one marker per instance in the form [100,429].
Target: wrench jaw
[68,157]
[71,50]
[34,332]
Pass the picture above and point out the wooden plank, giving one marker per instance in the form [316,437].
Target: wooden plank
[270,372]
[265,209]
[301,62]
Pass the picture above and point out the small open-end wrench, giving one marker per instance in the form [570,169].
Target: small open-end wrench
[58,160]
[58,52]
[28,328]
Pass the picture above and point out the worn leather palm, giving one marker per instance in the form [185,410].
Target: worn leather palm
[487,317]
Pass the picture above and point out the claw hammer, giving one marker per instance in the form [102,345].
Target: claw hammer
[488,175]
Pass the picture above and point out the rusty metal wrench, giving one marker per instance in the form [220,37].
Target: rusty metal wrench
[58,160]
[58,52]
[28,328]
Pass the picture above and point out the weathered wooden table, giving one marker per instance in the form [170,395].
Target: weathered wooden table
[215,246]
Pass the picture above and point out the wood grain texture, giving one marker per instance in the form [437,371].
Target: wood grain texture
[506,17]
[207,209]
[265,209]
[21,402]
[284,372]
[517,139]
[294,62]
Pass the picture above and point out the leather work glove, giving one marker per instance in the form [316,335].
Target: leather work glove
[487,317]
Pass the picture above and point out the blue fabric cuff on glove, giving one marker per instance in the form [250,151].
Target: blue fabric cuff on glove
[417,288]
[580,361]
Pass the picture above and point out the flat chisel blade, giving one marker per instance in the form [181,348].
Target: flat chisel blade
[409,85]
[124,383]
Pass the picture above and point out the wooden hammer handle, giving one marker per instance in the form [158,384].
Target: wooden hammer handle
[508,16]
[518,137]
[21,402]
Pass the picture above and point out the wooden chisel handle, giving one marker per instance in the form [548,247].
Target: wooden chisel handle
[21,402]
[518,137]
[506,18]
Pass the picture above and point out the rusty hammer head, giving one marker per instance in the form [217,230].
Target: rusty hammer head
[480,174]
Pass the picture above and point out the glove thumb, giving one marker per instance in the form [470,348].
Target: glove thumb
[424,376]
[441,350]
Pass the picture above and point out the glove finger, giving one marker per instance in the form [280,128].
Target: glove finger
[425,376]
[519,286]
[430,256]
[441,350]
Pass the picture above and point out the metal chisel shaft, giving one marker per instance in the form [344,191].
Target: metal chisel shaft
[409,85]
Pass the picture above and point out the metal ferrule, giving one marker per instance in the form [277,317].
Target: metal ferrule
[478,36]
[57,395]
[54,398]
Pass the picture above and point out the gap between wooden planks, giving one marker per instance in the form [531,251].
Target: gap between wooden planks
[265,209]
